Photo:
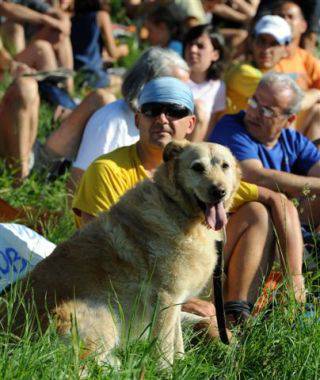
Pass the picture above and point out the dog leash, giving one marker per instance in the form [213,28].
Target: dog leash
[218,291]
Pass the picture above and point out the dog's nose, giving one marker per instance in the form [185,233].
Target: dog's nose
[216,193]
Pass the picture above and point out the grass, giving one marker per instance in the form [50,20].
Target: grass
[286,345]
[281,347]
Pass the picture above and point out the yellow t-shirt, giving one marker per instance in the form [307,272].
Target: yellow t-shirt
[241,81]
[107,179]
[247,192]
[112,174]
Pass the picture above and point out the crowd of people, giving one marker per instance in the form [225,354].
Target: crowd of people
[254,75]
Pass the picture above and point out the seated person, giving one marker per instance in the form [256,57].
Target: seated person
[232,18]
[163,29]
[304,68]
[270,153]
[189,13]
[113,125]
[165,112]
[91,31]
[311,12]
[36,20]
[271,35]
[204,51]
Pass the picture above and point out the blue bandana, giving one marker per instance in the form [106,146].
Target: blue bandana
[166,90]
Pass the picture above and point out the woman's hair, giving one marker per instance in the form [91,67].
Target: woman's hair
[153,63]
[84,6]
[216,68]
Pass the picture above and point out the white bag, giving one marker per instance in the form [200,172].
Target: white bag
[20,250]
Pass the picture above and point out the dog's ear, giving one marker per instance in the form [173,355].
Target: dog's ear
[173,149]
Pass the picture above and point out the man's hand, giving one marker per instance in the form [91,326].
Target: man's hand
[19,68]
[199,307]
[62,24]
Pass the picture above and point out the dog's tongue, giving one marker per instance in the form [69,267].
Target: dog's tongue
[216,216]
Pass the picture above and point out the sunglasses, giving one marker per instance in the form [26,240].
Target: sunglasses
[172,111]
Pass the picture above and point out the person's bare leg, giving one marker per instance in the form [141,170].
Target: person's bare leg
[249,252]
[73,182]
[38,55]
[248,255]
[65,141]
[19,122]
[309,211]
[63,51]
[62,47]
[287,228]
[291,250]
[311,124]
[13,37]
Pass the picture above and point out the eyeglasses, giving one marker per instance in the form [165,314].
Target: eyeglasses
[264,111]
[171,110]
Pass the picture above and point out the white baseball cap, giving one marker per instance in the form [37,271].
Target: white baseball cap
[276,26]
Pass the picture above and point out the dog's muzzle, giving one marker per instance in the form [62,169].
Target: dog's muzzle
[214,211]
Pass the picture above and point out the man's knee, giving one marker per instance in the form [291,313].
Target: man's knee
[23,91]
[102,97]
[255,213]
[44,47]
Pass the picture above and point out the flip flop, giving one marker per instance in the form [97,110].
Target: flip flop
[53,76]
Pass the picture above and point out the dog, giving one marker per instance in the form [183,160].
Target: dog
[141,260]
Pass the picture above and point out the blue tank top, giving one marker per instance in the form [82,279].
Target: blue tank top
[86,41]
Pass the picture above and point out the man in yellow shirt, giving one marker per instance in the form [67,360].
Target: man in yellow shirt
[165,113]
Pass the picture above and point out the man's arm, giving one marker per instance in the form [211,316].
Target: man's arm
[276,180]
[310,98]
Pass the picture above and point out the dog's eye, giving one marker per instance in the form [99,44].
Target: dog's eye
[225,165]
[197,167]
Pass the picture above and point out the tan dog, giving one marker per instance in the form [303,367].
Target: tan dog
[158,242]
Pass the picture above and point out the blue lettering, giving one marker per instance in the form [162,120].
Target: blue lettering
[14,258]
[6,269]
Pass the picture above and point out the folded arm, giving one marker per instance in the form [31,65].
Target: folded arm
[276,180]
[20,13]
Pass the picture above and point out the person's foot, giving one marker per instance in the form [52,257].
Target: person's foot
[208,330]
[237,312]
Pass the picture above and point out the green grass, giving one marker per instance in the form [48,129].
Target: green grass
[284,346]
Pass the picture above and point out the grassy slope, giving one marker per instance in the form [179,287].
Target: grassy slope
[285,346]
[281,347]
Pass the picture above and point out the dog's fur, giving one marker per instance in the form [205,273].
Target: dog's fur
[153,242]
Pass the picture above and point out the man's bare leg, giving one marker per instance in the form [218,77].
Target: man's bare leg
[249,252]
[38,55]
[13,37]
[19,123]
[65,141]
[62,47]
